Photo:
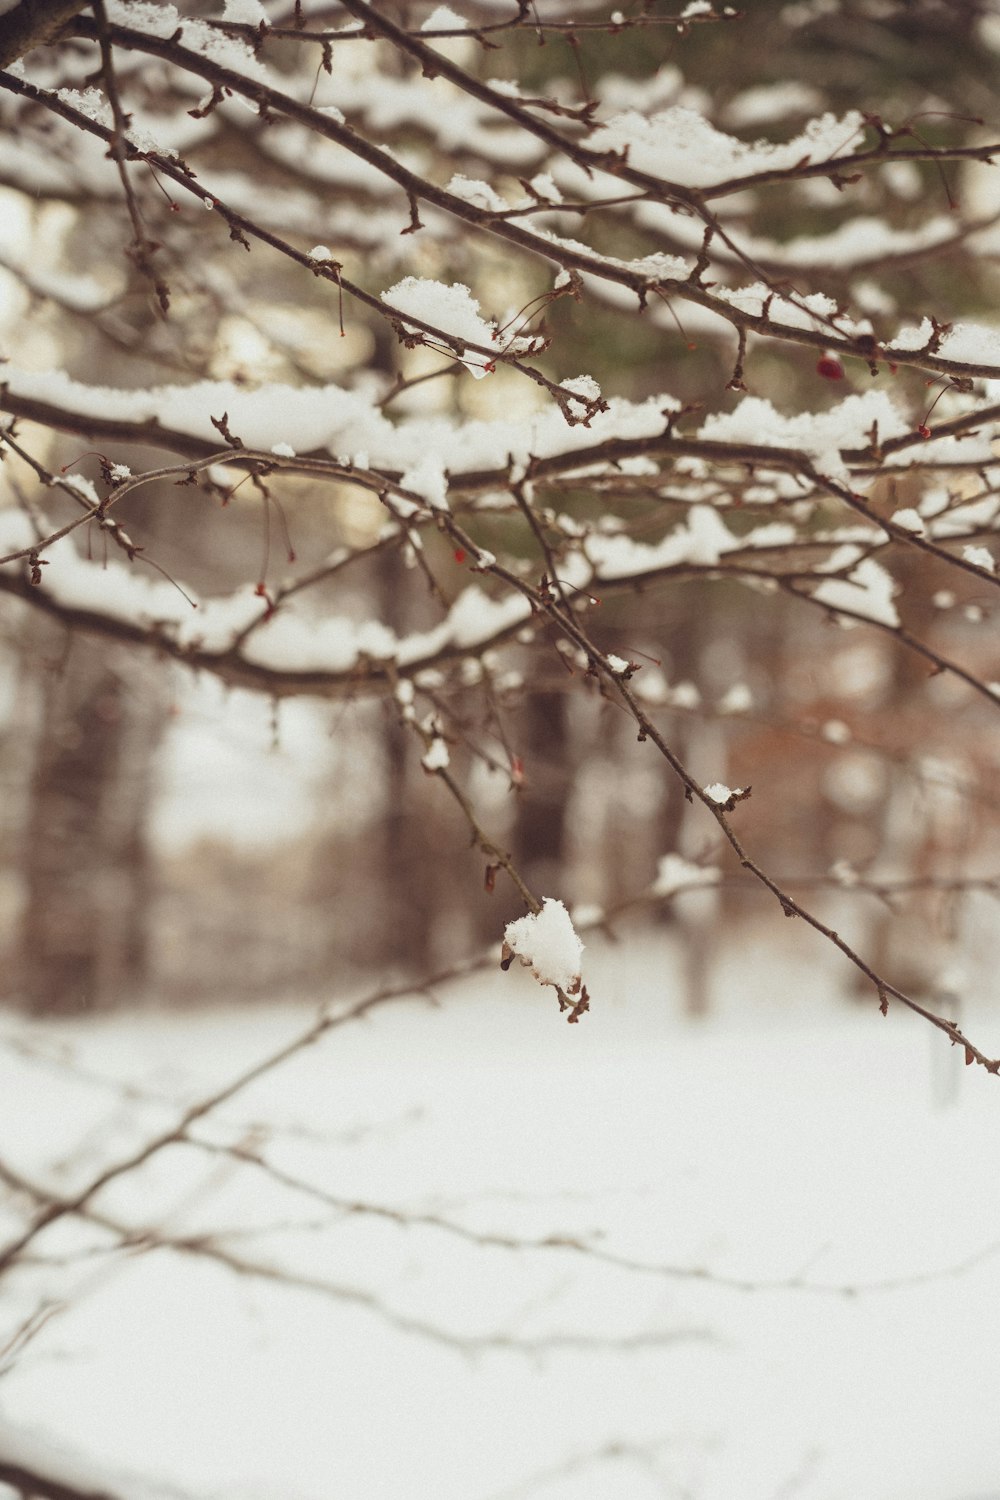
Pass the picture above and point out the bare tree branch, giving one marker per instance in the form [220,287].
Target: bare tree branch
[34,23]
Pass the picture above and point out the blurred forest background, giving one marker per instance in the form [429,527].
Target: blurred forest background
[166,839]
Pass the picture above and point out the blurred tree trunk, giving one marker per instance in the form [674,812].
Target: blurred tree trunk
[914,836]
[88,870]
[86,863]
[407,861]
[540,822]
[695,741]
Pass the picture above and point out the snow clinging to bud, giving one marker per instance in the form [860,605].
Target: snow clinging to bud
[547,943]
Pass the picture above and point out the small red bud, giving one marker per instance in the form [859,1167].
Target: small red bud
[892,368]
[829,368]
[459,554]
[924,430]
[261,592]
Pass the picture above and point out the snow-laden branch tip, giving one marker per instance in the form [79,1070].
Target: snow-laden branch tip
[451,308]
[546,942]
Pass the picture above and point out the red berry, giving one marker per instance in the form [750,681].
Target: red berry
[459,554]
[924,430]
[829,368]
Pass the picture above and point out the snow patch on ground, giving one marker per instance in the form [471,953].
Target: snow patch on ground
[782,1140]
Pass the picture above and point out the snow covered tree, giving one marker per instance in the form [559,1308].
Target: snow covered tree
[602,322]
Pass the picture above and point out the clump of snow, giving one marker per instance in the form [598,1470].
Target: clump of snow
[652,686]
[82,293]
[980,558]
[868,592]
[682,146]
[864,240]
[89,102]
[340,421]
[436,757]
[973,344]
[165,21]
[772,101]
[721,793]
[82,486]
[427,479]
[584,387]
[547,943]
[684,695]
[676,874]
[443,19]
[702,539]
[738,700]
[246,12]
[290,641]
[155,20]
[451,308]
[504,87]
[588,915]
[404,694]
[473,190]
[639,466]
[820,435]
[320,252]
[912,336]
[909,519]
[283,450]
[544,185]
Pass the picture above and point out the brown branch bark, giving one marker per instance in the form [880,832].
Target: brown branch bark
[34,23]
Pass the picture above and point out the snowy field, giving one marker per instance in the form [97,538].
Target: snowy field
[785,1242]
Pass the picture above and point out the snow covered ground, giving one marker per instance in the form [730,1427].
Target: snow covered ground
[793,1291]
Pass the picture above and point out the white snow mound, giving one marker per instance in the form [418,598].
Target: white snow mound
[548,945]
